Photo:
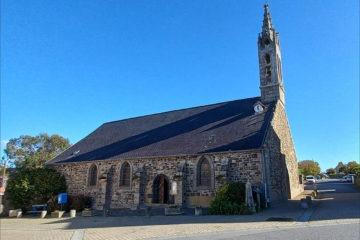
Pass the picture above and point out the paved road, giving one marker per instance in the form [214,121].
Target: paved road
[336,216]
[338,200]
[328,231]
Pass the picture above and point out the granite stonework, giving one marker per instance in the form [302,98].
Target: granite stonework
[272,168]
[248,139]
[236,166]
[280,158]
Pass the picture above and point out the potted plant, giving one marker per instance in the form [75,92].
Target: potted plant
[43,214]
[57,214]
[87,207]
[72,213]
[76,204]
[15,213]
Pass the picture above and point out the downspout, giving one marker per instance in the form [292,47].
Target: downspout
[265,177]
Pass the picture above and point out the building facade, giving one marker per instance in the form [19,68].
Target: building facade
[182,157]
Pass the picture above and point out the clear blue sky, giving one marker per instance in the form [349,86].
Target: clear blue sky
[69,66]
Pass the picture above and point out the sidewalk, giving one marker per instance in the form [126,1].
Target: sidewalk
[143,227]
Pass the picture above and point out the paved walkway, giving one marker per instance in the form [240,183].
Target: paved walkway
[112,228]
[142,227]
[333,211]
[124,228]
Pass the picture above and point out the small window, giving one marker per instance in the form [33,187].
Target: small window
[204,173]
[92,175]
[125,175]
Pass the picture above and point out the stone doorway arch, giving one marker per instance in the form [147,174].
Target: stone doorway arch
[161,189]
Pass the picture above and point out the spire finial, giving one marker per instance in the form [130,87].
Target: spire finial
[267,25]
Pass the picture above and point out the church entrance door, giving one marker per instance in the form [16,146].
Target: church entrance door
[161,189]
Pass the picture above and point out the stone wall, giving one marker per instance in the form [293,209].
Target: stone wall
[234,166]
[275,164]
[280,157]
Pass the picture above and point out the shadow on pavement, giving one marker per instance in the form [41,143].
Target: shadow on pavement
[343,203]
[289,209]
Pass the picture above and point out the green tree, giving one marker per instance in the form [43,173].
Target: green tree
[341,168]
[33,151]
[34,186]
[309,167]
[353,167]
[330,171]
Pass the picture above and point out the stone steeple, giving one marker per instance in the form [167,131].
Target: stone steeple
[271,83]
[267,25]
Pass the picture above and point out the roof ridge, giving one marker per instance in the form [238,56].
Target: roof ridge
[176,110]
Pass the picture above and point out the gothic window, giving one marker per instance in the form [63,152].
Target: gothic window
[204,173]
[125,175]
[267,41]
[267,58]
[92,175]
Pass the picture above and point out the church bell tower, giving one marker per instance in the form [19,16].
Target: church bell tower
[271,82]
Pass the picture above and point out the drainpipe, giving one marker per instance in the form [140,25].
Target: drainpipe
[265,176]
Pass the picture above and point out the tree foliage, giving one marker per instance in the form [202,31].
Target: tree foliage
[33,151]
[229,199]
[34,186]
[309,167]
[341,168]
[32,182]
[353,167]
[330,171]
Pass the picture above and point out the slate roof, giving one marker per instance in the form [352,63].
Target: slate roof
[227,126]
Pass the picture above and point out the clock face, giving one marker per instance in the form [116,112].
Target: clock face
[258,108]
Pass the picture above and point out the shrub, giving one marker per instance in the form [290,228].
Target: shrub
[229,200]
[34,186]
[79,202]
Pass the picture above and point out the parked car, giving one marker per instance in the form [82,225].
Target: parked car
[310,179]
[348,178]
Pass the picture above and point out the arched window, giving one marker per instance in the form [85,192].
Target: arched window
[125,175]
[92,175]
[204,173]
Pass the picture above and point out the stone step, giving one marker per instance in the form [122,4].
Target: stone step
[173,211]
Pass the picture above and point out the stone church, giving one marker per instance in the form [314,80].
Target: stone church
[182,157]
